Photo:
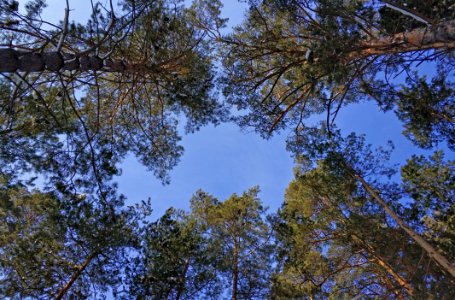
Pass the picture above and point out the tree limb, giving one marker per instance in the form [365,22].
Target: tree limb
[65,27]
[75,276]
[408,12]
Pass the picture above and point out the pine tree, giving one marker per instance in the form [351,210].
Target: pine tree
[352,184]
[237,228]
[63,248]
[334,243]
[290,60]
[175,261]
[126,79]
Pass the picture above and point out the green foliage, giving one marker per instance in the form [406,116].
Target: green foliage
[425,108]
[198,254]
[236,227]
[292,60]
[330,241]
[47,242]
[335,239]
[175,262]
[430,183]
[76,127]
[428,111]
[346,229]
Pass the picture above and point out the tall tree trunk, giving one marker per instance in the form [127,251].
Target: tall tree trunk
[75,276]
[13,60]
[429,249]
[181,287]
[442,115]
[235,270]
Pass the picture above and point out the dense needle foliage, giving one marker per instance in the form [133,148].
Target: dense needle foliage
[76,99]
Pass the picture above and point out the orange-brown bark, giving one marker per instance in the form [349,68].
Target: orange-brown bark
[424,38]
[75,276]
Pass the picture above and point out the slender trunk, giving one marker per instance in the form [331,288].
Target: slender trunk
[397,277]
[390,286]
[235,270]
[429,249]
[379,260]
[181,287]
[75,276]
[439,36]
[448,118]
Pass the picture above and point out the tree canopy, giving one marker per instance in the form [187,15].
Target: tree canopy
[290,60]
[75,125]
[348,229]
[54,247]
[77,99]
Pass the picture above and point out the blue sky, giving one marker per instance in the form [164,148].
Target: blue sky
[220,160]
[223,160]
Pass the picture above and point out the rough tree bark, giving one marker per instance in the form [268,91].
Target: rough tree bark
[431,37]
[12,60]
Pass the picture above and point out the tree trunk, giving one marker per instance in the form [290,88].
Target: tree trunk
[12,60]
[181,287]
[442,115]
[379,260]
[439,36]
[429,249]
[235,270]
[75,276]
[390,286]
[397,277]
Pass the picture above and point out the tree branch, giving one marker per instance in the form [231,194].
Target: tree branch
[65,27]
[75,276]
[408,12]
